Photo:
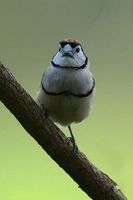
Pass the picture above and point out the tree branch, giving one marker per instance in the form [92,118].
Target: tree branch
[90,179]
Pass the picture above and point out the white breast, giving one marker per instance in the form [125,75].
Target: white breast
[78,81]
[66,109]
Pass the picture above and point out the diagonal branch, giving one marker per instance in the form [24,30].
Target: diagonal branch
[90,179]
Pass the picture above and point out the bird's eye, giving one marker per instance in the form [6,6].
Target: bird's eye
[59,48]
[77,49]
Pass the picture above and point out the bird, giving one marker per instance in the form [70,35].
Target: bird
[67,88]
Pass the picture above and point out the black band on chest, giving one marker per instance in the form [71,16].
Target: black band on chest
[67,93]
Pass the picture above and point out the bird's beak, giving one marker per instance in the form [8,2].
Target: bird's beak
[68,54]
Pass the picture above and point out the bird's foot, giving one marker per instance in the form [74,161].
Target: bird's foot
[45,111]
[72,139]
[74,147]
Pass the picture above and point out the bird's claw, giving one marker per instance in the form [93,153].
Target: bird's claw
[74,146]
[45,111]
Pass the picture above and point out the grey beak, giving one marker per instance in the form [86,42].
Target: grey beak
[68,54]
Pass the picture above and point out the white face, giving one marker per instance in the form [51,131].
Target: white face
[69,57]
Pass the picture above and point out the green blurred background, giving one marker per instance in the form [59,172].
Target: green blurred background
[29,34]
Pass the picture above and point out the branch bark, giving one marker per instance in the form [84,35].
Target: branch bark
[91,180]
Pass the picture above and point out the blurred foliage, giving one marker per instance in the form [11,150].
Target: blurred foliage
[29,34]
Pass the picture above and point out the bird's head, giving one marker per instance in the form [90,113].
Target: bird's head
[70,54]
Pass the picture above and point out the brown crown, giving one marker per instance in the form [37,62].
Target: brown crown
[70,41]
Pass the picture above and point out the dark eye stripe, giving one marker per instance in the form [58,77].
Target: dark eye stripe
[72,44]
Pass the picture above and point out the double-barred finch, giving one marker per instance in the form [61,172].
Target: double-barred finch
[67,87]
